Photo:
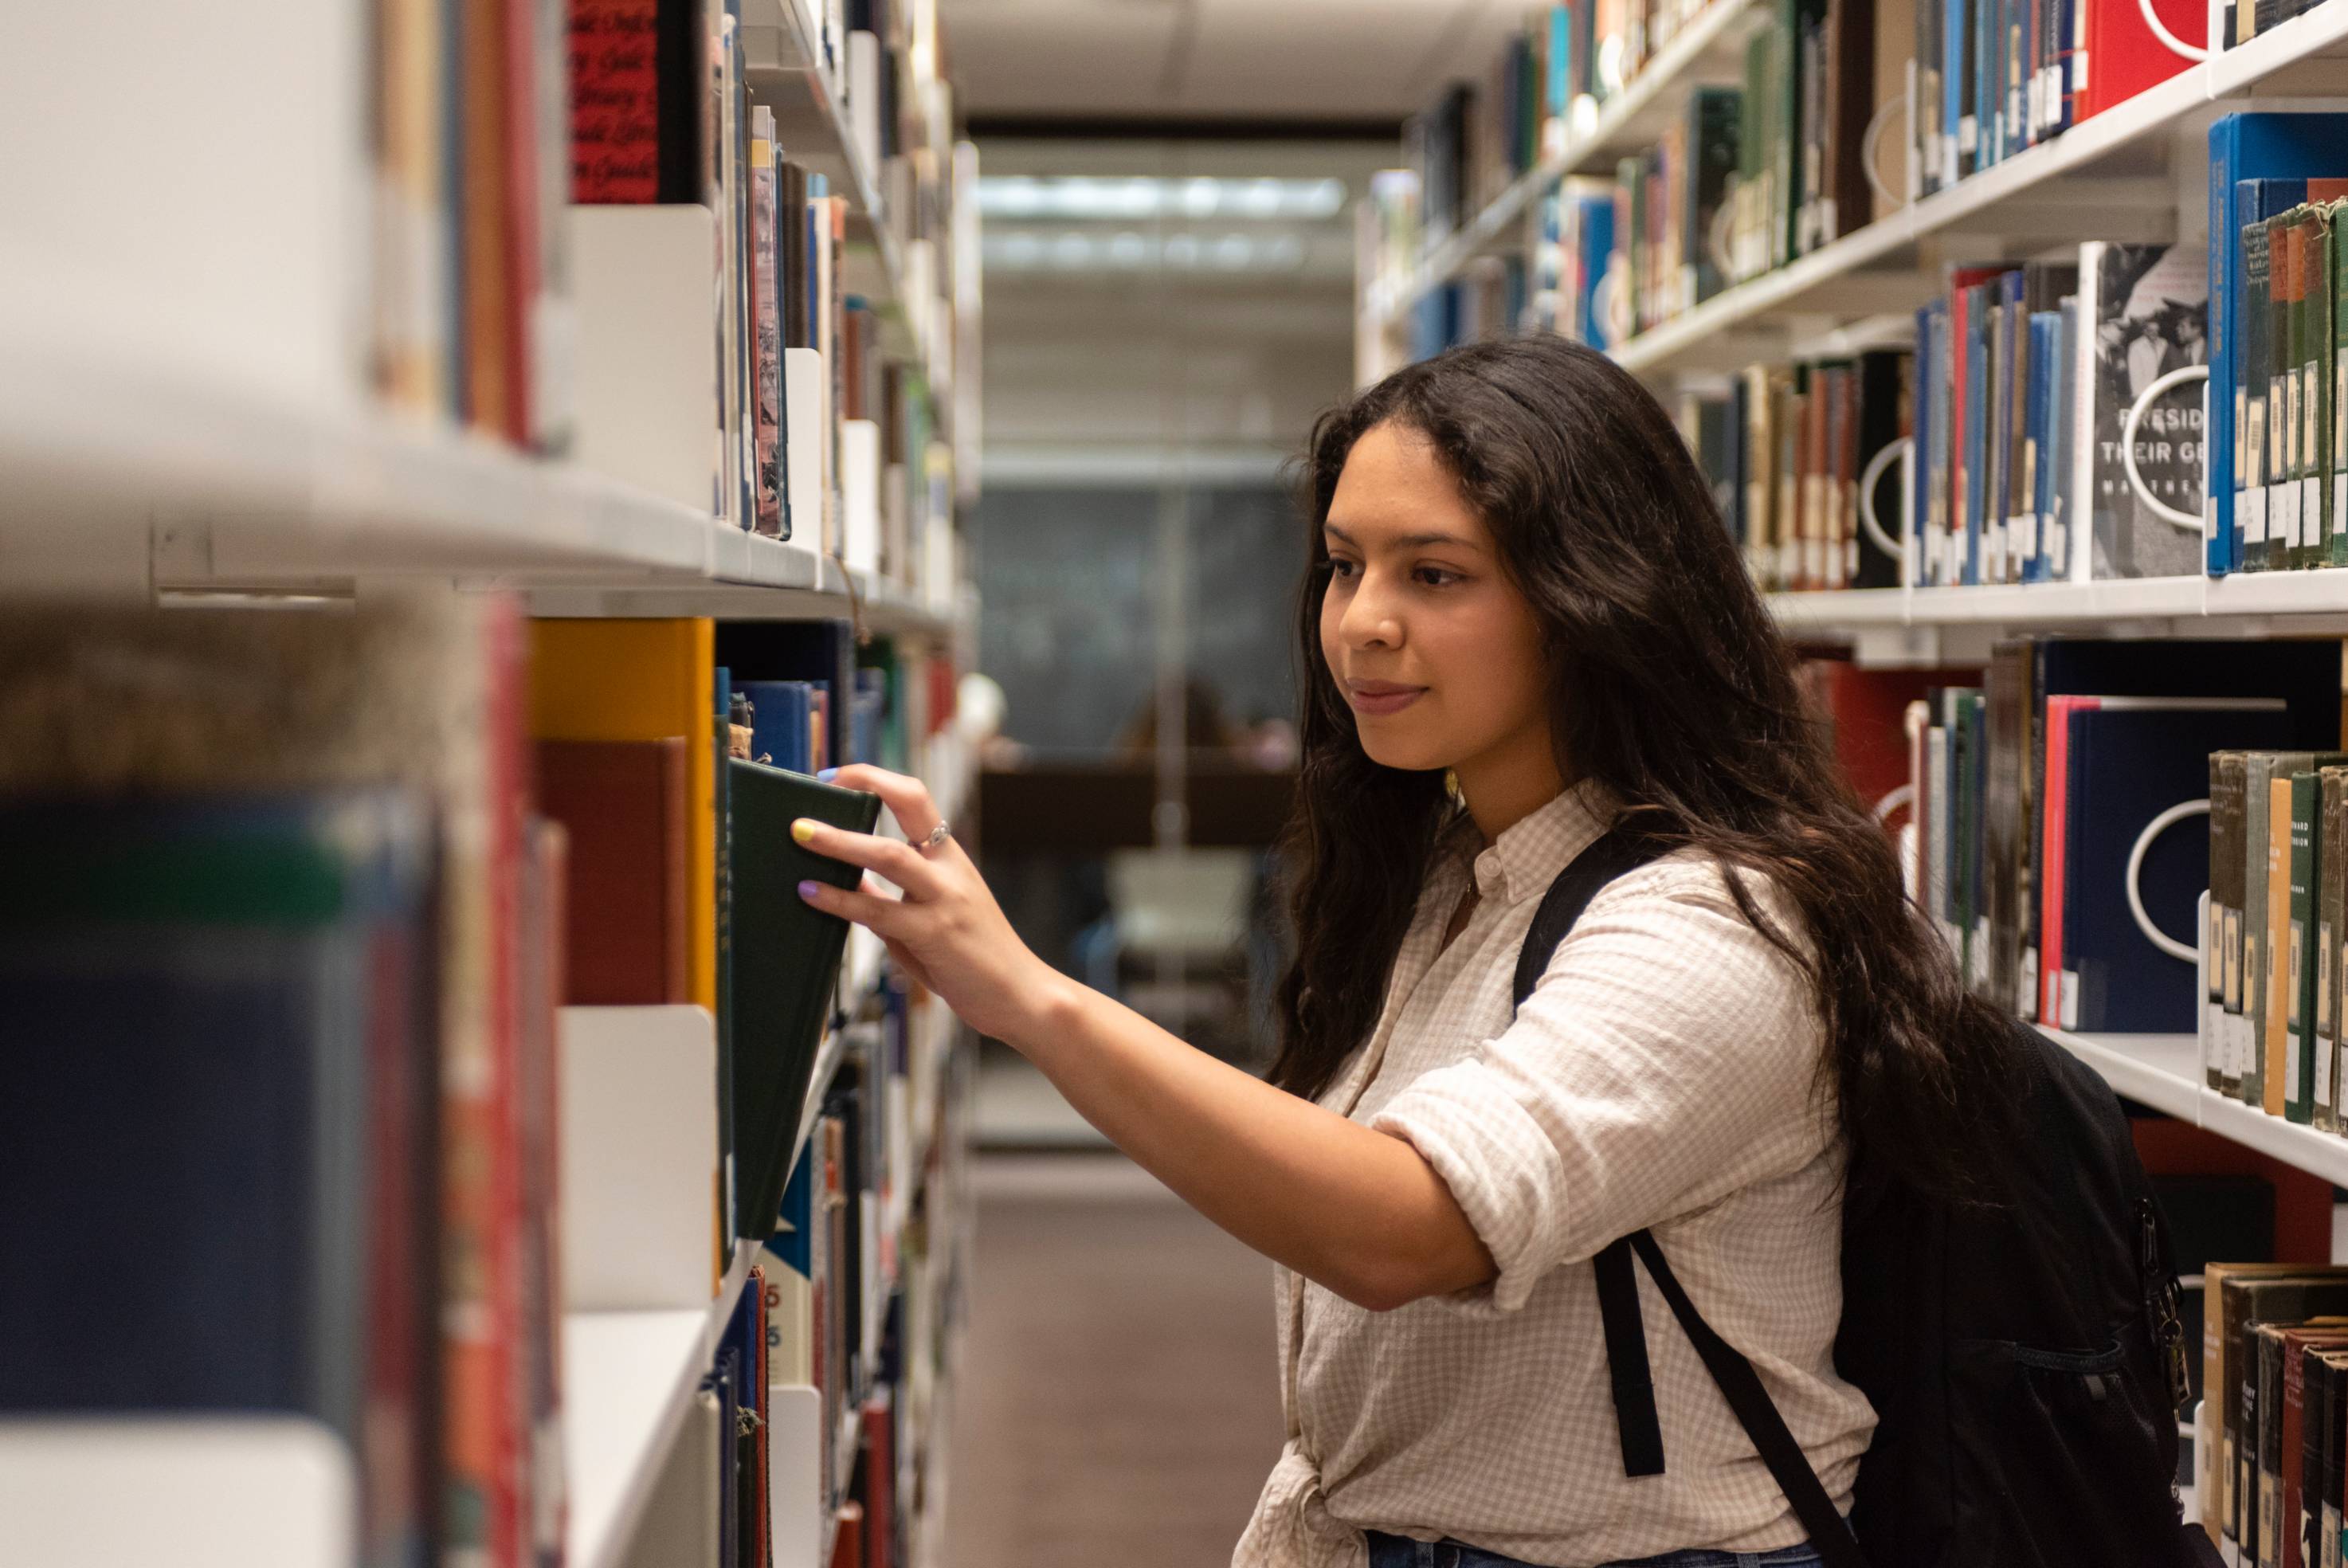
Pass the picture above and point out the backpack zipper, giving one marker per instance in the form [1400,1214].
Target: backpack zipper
[2161,1296]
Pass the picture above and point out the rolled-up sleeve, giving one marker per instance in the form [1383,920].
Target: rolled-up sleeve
[1667,1057]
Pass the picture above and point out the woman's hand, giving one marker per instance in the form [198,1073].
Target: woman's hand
[946,931]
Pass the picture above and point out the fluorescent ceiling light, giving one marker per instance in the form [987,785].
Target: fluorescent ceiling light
[1125,200]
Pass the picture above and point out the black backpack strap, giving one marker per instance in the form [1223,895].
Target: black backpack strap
[1635,1420]
[1741,1387]
[1611,853]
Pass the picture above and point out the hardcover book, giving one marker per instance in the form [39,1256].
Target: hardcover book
[2148,315]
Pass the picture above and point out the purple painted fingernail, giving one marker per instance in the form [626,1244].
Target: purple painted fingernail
[824,775]
[808,889]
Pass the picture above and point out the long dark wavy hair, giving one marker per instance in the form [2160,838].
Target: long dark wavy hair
[1670,685]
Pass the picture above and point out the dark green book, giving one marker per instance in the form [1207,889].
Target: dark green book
[2318,520]
[2330,854]
[1713,118]
[786,965]
[2227,804]
[2335,393]
[2299,1048]
[2282,537]
[2257,362]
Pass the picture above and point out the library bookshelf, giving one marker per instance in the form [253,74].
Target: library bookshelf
[2109,177]
[191,420]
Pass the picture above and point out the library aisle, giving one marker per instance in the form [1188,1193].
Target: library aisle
[1117,1403]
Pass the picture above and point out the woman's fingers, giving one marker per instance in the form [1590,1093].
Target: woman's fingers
[908,800]
[900,864]
[867,907]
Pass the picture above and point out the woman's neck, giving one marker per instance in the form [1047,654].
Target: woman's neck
[1509,784]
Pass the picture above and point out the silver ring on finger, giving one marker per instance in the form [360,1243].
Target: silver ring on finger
[938,835]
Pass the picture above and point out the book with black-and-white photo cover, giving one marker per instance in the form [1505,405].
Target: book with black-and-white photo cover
[2144,311]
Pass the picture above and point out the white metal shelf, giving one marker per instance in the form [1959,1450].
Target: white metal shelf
[2242,604]
[627,1380]
[2036,195]
[2164,1071]
[1700,52]
[231,491]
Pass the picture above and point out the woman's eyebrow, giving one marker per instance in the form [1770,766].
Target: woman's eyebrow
[1405,541]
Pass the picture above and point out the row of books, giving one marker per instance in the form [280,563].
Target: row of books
[474,320]
[1752,176]
[816,1357]
[2276,182]
[2016,397]
[2278,853]
[1786,449]
[1994,77]
[2032,787]
[1560,66]
[297,934]
[2274,1422]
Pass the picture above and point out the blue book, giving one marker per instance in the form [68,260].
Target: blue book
[2247,147]
[1932,392]
[779,723]
[1597,231]
[1559,95]
[1956,106]
[1988,79]
[2064,428]
[2046,334]
[219,1058]
[1975,457]
[2131,759]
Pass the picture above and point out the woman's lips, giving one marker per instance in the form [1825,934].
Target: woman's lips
[1380,697]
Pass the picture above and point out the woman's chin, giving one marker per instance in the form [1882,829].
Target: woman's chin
[1399,752]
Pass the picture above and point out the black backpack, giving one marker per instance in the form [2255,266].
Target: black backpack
[2026,1362]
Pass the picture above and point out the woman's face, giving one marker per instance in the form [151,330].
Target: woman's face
[1435,649]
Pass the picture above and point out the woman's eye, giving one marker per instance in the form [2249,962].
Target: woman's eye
[1338,568]
[1435,576]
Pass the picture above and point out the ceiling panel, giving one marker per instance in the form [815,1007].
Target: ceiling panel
[1234,59]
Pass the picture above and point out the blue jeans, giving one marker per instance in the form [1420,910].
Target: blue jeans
[1401,1551]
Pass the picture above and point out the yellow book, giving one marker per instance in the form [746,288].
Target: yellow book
[642,680]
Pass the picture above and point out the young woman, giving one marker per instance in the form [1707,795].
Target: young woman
[1524,621]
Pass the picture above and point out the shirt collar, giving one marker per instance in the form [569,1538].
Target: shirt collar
[1530,853]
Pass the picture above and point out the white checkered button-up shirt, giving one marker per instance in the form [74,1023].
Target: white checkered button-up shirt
[1662,1074]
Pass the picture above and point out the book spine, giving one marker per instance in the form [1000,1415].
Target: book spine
[2249,1069]
[2224,991]
[2305,527]
[2250,400]
[2224,253]
[2275,1082]
[2332,842]
[2327,545]
[2299,1049]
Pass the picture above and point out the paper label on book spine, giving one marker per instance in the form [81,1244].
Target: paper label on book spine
[1993,549]
[2311,511]
[2230,949]
[2250,508]
[2070,986]
[2283,514]
[2023,529]
[2030,983]
[2330,1533]
[1968,135]
[2339,501]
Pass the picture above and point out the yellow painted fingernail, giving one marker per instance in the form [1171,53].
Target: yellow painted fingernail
[803,829]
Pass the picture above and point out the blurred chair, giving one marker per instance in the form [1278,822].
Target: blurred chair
[1187,911]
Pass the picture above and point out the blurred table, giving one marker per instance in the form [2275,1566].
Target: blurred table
[1090,807]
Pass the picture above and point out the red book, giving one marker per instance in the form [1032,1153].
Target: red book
[847,1538]
[880,1483]
[2118,57]
[622,803]
[2296,1343]
[636,84]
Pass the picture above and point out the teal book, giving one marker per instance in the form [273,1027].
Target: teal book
[785,967]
